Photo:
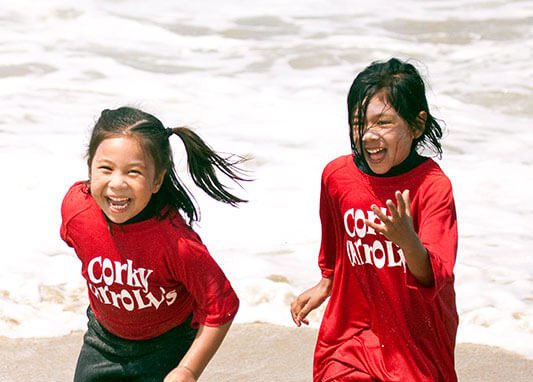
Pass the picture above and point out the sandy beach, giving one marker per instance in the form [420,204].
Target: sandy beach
[251,353]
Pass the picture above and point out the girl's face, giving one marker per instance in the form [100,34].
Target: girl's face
[122,178]
[387,138]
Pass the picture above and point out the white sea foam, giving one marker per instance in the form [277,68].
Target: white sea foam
[267,80]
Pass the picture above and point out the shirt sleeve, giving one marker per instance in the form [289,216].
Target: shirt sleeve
[438,232]
[72,204]
[63,233]
[215,301]
[330,234]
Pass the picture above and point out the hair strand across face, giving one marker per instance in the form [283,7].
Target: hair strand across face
[403,88]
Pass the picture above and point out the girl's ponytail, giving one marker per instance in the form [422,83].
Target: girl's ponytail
[202,162]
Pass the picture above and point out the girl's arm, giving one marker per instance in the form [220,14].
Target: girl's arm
[399,229]
[313,297]
[204,346]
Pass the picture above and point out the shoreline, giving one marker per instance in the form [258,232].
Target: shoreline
[255,352]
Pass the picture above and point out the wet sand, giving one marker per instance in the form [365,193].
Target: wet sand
[250,353]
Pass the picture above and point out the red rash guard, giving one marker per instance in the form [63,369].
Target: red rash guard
[144,278]
[380,323]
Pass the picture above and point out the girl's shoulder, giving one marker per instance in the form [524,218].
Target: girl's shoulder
[79,187]
[77,209]
[426,176]
[434,174]
[176,224]
[339,164]
[76,200]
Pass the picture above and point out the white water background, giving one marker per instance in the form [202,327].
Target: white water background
[267,80]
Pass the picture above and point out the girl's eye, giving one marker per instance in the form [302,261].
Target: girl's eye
[104,168]
[383,122]
[134,172]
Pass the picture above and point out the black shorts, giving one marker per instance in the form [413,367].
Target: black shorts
[106,357]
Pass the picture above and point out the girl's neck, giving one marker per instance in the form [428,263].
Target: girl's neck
[413,160]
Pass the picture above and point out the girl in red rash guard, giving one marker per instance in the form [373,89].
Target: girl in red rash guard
[389,241]
[160,306]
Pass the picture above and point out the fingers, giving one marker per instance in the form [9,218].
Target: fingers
[395,212]
[299,318]
[379,227]
[398,224]
[375,226]
[407,199]
[305,303]
[299,310]
[400,202]
[404,202]
[379,213]
[402,207]
[294,312]
[303,314]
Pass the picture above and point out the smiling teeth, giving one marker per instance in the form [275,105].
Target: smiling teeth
[118,199]
[374,151]
[118,203]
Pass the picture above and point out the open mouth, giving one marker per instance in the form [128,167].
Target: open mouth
[374,151]
[118,204]
[375,154]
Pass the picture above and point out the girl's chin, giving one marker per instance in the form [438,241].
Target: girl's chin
[118,217]
[379,169]
[116,220]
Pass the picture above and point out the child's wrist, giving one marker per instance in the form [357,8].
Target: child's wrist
[412,244]
[191,371]
[325,286]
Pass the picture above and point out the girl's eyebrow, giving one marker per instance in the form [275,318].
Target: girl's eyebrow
[136,164]
[383,113]
[102,160]
[130,164]
[385,109]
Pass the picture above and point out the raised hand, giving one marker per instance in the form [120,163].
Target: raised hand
[398,228]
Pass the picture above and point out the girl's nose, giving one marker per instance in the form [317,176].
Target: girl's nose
[370,134]
[117,181]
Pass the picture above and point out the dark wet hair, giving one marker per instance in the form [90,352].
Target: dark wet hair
[403,88]
[202,161]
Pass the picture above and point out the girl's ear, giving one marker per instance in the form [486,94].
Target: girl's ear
[158,181]
[420,124]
